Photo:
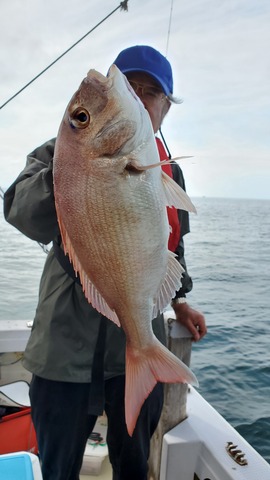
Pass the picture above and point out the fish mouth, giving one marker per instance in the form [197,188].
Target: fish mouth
[113,72]
[132,91]
[95,77]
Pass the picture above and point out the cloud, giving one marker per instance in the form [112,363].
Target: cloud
[221,66]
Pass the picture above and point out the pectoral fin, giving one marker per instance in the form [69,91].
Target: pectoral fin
[136,167]
[175,195]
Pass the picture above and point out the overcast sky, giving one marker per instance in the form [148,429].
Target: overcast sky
[219,51]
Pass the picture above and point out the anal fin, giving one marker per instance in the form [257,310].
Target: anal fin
[91,293]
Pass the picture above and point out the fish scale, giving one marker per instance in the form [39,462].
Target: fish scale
[111,209]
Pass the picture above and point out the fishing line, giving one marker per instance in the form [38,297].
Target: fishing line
[165,144]
[123,6]
[169,29]
[167,47]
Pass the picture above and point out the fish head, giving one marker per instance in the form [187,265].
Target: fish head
[104,118]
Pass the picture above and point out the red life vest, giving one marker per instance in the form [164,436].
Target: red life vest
[173,218]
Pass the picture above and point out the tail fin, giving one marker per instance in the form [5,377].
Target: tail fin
[144,370]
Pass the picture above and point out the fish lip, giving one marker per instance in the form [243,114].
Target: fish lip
[92,73]
[132,92]
[112,72]
[96,78]
[100,79]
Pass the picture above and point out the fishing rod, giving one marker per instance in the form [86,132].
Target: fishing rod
[123,6]
[2,193]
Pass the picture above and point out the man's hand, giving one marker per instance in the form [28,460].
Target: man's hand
[193,320]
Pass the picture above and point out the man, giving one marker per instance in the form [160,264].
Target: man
[72,348]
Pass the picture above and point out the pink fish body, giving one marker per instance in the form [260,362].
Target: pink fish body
[111,210]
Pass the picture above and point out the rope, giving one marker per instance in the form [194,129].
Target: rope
[122,6]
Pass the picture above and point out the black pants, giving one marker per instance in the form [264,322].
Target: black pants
[63,425]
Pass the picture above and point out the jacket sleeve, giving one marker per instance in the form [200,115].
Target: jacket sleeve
[187,283]
[29,201]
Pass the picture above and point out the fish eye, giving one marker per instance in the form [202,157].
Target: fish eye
[80,118]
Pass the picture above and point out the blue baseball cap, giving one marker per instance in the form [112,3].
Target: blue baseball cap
[142,58]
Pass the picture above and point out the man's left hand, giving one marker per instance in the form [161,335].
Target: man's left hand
[193,320]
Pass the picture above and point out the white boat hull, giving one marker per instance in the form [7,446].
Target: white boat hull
[193,450]
[198,446]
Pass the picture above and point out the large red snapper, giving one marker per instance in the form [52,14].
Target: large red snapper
[111,210]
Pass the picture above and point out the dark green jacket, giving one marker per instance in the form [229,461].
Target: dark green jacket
[64,335]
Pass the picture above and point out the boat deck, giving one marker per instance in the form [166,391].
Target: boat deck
[105,472]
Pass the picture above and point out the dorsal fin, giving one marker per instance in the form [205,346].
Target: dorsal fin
[175,195]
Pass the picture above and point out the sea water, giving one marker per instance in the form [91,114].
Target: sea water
[228,257]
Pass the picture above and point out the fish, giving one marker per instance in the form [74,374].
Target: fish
[111,197]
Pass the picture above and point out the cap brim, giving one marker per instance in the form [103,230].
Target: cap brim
[154,76]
